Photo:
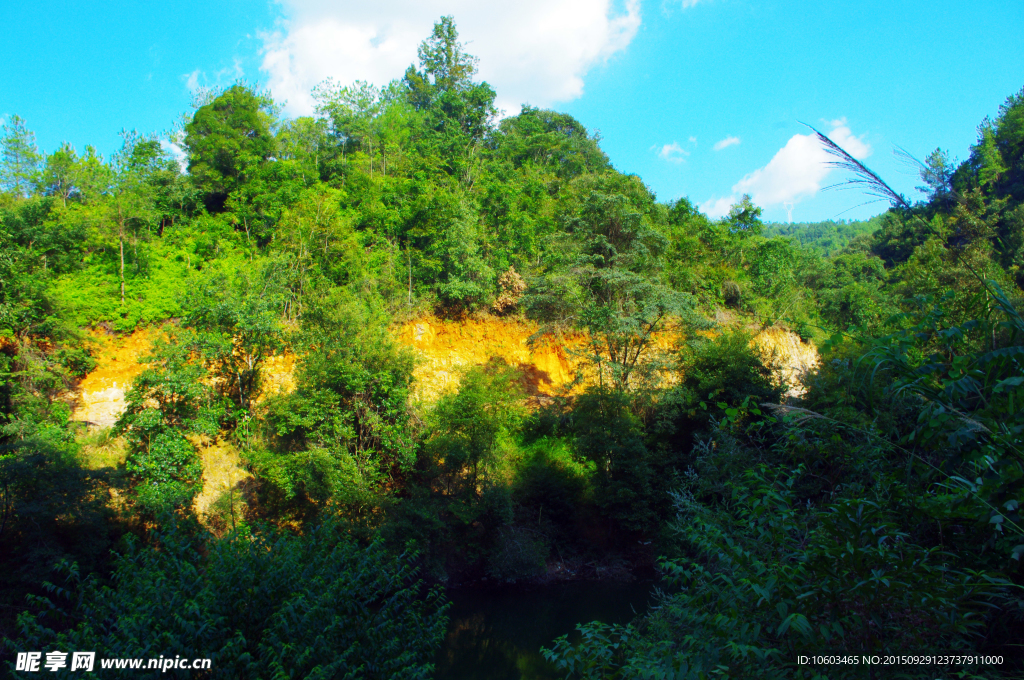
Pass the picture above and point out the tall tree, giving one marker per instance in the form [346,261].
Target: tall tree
[459,111]
[58,176]
[444,59]
[228,140]
[603,274]
[20,159]
[937,175]
[354,113]
[128,199]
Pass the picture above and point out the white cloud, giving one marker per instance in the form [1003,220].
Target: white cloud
[717,207]
[673,153]
[855,146]
[693,140]
[532,51]
[192,80]
[198,79]
[795,173]
[178,153]
[728,141]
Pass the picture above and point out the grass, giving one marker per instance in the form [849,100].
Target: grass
[101,448]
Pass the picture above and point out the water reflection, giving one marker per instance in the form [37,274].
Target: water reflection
[497,634]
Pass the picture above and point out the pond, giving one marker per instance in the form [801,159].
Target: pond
[496,634]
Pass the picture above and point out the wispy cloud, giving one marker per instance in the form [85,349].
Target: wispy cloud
[535,51]
[728,141]
[673,153]
[176,152]
[794,173]
[198,79]
[717,207]
[192,80]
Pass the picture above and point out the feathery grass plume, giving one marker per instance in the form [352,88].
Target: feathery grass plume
[909,159]
[863,178]
[800,415]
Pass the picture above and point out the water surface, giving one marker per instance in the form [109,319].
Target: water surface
[496,634]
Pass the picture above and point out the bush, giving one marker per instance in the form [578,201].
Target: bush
[262,605]
[165,403]
[766,580]
[611,437]
[718,374]
[550,486]
[519,554]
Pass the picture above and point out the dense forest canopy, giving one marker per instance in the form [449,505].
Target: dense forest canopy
[875,510]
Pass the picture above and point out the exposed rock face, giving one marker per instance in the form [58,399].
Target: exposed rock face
[101,398]
[790,358]
[444,347]
[101,394]
[550,365]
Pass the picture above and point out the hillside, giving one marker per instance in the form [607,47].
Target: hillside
[826,238]
[271,400]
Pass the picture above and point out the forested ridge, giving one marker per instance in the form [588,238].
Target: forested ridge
[871,510]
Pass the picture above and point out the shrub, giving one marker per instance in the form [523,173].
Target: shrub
[262,605]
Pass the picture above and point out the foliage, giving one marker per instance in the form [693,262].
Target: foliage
[601,277]
[769,582]
[344,434]
[267,604]
[969,379]
[167,402]
[611,436]
[720,373]
[879,508]
[237,325]
[20,157]
[227,140]
[825,238]
[469,424]
[51,508]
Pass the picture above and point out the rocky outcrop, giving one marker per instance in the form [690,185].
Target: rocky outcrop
[789,357]
[101,394]
[548,365]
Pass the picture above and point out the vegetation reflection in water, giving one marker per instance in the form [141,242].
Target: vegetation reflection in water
[496,634]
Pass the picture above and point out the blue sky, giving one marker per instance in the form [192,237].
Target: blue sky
[701,98]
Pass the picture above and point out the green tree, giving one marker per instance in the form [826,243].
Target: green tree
[59,173]
[305,141]
[602,275]
[344,435]
[444,59]
[127,204]
[355,116]
[458,111]
[228,139]
[744,222]
[264,604]
[237,324]
[469,424]
[937,174]
[608,433]
[166,402]
[20,157]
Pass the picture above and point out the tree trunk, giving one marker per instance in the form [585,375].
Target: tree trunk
[120,242]
[408,251]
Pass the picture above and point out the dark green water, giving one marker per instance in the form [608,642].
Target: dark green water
[497,634]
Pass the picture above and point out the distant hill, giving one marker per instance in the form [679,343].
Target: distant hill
[825,237]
